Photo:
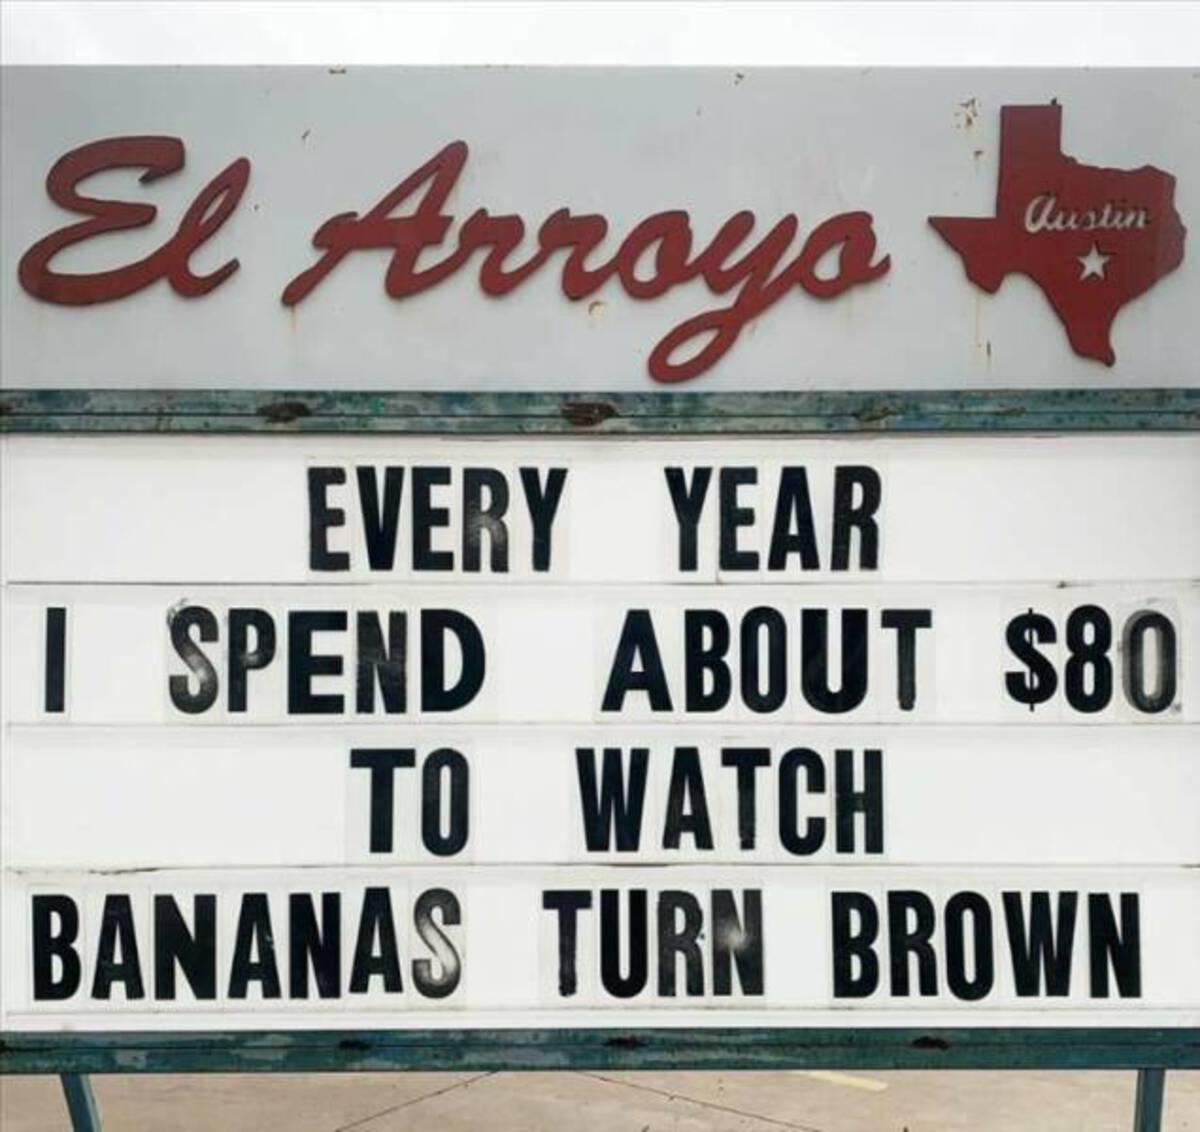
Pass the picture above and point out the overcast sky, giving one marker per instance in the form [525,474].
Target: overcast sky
[963,33]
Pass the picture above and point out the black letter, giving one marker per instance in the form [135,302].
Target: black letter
[869,801]
[637,642]
[435,695]
[688,503]
[241,657]
[814,677]
[303,665]
[614,808]
[734,517]
[388,664]
[452,841]
[376,919]
[477,518]
[903,939]
[1136,628]
[814,776]
[382,762]
[117,931]
[618,985]
[906,622]
[1039,951]
[846,516]
[849,945]
[431,983]
[737,940]
[380,523]
[957,908]
[425,517]
[173,943]
[48,945]
[700,660]
[322,944]
[1120,945]
[321,517]
[254,935]
[56,655]
[567,903]
[205,694]
[793,501]
[747,760]
[687,785]
[543,505]
[674,941]
[764,617]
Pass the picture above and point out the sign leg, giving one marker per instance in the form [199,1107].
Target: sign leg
[81,1102]
[1148,1109]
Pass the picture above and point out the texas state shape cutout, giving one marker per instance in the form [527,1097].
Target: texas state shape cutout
[1091,238]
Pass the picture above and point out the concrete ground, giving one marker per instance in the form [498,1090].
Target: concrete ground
[607,1102]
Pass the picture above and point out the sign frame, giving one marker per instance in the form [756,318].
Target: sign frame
[226,411]
[237,411]
[330,411]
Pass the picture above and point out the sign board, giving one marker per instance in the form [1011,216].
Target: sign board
[326,749]
[619,230]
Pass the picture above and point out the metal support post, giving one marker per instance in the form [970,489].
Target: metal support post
[1148,1109]
[81,1103]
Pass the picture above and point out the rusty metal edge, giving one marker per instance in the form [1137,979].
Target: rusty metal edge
[655,1048]
[209,411]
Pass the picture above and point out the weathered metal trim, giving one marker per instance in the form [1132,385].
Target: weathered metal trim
[726,1049]
[81,1103]
[290,411]
[1148,1101]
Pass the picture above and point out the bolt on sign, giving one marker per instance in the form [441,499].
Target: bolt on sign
[535,567]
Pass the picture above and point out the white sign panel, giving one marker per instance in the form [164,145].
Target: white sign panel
[606,229]
[394,732]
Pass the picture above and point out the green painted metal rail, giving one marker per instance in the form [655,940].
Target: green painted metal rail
[306,1051]
[81,1102]
[284,411]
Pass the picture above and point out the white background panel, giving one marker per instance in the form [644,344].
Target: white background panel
[549,654]
[517,985]
[122,792]
[979,508]
[98,798]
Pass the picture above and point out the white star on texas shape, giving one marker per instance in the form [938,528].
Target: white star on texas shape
[1093,263]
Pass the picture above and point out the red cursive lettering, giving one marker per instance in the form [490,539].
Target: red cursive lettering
[757,275]
[159,157]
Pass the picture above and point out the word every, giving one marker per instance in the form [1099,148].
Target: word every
[476,498]
[656,255]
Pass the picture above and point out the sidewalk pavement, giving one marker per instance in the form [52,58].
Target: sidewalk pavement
[607,1102]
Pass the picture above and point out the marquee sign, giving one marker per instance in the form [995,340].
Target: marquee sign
[759,733]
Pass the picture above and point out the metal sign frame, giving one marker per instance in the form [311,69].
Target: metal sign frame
[225,411]
[210,411]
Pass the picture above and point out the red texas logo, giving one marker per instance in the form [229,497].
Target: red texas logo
[1091,238]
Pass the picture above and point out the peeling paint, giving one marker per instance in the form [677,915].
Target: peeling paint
[966,114]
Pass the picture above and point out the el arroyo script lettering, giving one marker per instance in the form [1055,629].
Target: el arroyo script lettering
[657,254]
